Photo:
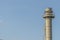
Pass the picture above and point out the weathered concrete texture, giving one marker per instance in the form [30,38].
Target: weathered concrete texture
[48,29]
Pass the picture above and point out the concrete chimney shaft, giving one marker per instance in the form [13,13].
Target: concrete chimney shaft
[48,15]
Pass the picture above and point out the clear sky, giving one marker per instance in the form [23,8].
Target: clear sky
[22,19]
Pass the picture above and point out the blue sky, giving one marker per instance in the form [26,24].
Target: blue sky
[22,19]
